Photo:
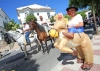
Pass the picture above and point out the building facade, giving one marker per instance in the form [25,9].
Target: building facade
[88,14]
[3,19]
[36,10]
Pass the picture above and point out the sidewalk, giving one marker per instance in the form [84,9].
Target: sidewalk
[15,46]
[77,67]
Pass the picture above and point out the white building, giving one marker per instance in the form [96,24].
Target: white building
[36,10]
[88,13]
[3,19]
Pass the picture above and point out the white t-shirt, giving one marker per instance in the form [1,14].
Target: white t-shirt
[40,22]
[76,20]
[26,27]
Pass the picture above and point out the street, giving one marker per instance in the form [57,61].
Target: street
[35,62]
[14,60]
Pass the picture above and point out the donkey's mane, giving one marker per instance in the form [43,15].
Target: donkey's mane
[40,27]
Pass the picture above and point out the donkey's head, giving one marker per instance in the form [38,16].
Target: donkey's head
[60,21]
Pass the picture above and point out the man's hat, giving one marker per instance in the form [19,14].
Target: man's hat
[72,7]
[24,23]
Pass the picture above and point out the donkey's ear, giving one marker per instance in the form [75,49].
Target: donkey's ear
[60,15]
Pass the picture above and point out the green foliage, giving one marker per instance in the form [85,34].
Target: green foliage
[82,13]
[30,17]
[88,3]
[79,3]
[12,25]
[67,16]
[52,19]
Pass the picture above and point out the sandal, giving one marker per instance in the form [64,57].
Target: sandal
[86,66]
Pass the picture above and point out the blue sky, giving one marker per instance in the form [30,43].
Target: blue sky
[9,6]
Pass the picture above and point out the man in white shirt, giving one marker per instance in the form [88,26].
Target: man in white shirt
[26,30]
[43,22]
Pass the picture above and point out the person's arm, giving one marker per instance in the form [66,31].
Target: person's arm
[28,28]
[44,22]
[81,24]
[68,35]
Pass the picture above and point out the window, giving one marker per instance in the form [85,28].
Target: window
[5,17]
[48,14]
[38,14]
[89,13]
[26,13]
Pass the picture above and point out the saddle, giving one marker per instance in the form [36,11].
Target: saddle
[47,29]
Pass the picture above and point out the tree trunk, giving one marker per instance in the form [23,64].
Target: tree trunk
[95,23]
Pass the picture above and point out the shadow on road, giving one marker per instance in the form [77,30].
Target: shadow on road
[66,56]
[33,50]
[51,46]
[17,63]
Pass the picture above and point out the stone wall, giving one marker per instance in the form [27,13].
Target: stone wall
[12,46]
[3,44]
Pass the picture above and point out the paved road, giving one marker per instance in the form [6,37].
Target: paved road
[35,62]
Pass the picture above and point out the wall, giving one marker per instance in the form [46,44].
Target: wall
[3,18]
[41,13]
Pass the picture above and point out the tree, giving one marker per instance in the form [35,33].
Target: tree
[67,16]
[52,19]
[30,17]
[12,25]
[82,13]
[96,7]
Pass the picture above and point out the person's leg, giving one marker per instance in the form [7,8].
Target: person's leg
[88,53]
[46,29]
[27,36]
[80,55]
